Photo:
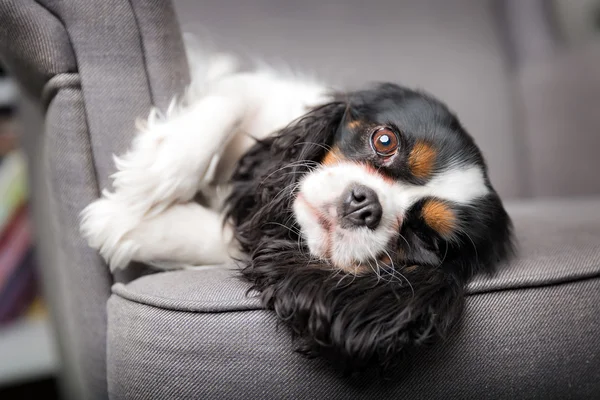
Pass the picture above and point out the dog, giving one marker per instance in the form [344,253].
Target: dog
[359,216]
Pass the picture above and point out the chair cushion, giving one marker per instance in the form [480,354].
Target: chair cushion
[529,331]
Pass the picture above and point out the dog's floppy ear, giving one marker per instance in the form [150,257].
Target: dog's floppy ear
[356,322]
[373,323]
[266,176]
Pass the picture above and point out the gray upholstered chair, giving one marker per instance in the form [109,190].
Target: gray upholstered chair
[90,67]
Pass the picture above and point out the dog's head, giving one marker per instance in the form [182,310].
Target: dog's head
[363,221]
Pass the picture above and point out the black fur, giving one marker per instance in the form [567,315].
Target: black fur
[357,321]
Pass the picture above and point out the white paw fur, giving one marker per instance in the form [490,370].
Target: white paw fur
[104,224]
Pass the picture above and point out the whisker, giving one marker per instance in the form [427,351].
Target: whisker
[344,277]
[300,249]
[291,188]
[474,247]
[378,271]
[297,232]
[391,270]
[290,165]
[445,254]
[405,241]
[324,146]
[412,289]
[338,271]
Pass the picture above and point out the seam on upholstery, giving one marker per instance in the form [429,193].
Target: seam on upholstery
[57,82]
[227,308]
[205,306]
[534,285]
[595,271]
[84,103]
[121,290]
[144,54]
[190,311]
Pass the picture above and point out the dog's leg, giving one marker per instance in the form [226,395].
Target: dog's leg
[166,165]
[170,159]
[183,234]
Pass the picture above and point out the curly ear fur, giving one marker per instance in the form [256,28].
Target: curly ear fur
[353,321]
[266,177]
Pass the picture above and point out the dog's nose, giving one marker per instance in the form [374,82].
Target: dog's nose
[360,207]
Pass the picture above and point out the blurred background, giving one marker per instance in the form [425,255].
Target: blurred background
[509,76]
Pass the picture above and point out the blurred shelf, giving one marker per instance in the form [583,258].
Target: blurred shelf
[27,351]
[8,93]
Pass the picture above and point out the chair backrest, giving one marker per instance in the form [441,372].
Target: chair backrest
[557,97]
[499,64]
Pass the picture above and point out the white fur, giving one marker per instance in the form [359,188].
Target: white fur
[320,192]
[175,156]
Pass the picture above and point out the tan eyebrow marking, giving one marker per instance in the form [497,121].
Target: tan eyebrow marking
[354,124]
[439,217]
[421,159]
[333,156]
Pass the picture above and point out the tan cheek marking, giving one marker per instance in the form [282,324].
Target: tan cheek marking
[439,217]
[421,159]
[333,156]
[386,260]
[356,269]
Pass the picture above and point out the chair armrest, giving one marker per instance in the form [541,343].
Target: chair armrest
[93,67]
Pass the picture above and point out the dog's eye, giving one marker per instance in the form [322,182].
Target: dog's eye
[384,142]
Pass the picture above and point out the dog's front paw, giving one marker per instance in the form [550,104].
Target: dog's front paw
[105,224]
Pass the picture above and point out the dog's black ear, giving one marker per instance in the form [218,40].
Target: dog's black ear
[486,239]
[357,322]
[390,319]
[482,240]
[266,176]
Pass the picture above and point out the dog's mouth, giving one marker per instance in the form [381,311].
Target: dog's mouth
[325,215]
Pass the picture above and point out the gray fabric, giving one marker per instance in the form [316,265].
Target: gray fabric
[70,382]
[548,349]
[528,29]
[162,48]
[34,44]
[558,240]
[97,66]
[561,99]
[82,288]
[529,332]
[450,48]
[56,83]
[117,74]
[224,291]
